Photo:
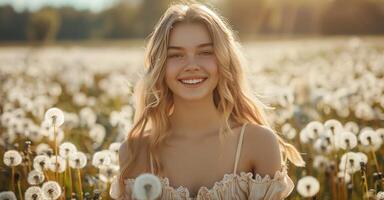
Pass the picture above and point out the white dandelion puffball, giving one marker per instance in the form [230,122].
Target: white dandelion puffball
[51,189]
[77,160]
[35,177]
[308,186]
[7,195]
[114,147]
[321,162]
[334,126]
[345,176]
[380,132]
[54,116]
[346,140]
[100,159]
[66,148]
[370,137]
[288,131]
[350,162]
[362,157]
[352,127]
[12,158]
[314,129]
[380,195]
[58,166]
[107,173]
[43,148]
[34,193]
[41,162]
[147,187]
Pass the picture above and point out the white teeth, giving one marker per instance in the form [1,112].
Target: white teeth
[192,81]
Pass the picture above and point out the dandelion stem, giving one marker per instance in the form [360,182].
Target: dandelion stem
[365,186]
[80,187]
[64,183]
[55,138]
[19,188]
[70,181]
[46,174]
[375,159]
[13,179]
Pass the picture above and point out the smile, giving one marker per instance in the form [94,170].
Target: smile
[193,82]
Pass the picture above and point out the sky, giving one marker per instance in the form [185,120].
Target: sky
[33,5]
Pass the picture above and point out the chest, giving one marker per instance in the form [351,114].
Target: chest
[195,164]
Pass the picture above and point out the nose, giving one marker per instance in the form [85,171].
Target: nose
[191,64]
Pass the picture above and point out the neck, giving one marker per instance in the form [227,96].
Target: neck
[194,119]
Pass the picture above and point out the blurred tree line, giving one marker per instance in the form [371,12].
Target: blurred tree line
[248,17]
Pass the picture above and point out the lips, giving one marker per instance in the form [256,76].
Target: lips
[192,78]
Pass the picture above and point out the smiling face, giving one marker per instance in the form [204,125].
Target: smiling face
[191,66]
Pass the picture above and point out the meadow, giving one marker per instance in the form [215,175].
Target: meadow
[64,110]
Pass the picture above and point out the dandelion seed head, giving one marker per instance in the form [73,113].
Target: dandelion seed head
[100,159]
[12,158]
[114,147]
[77,160]
[314,129]
[350,162]
[97,133]
[308,186]
[107,173]
[362,157]
[87,116]
[7,195]
[34,193]
[380,195]
[41,163]
[54,116]
[304,136]
[352,127]
[320,162]
[321,145]
[147,186]
[43,148]
[51,189]
[334,126]
[35,177]
[58,166]
[66,148]
[288,131]
[371,138]
[346,140]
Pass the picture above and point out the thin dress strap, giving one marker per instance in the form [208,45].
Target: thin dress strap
[150,159]
[239,148]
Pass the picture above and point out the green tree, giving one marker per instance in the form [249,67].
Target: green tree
[43,25]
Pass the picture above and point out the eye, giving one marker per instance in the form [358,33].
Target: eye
[175,55]
[206,53]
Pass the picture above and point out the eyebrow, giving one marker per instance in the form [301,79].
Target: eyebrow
[198,46]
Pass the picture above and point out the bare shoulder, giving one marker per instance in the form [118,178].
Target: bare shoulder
[141,164]
[261,146]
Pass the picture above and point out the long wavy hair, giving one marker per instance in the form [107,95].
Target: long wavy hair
[232,98]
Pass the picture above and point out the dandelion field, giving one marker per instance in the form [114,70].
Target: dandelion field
[65,110]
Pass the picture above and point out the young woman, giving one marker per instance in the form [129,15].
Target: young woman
[195,126]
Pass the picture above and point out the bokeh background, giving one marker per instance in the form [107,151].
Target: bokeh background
[320,64]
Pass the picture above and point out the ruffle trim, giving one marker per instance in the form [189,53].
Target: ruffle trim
[228,178]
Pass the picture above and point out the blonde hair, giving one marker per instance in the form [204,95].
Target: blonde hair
[154,98]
